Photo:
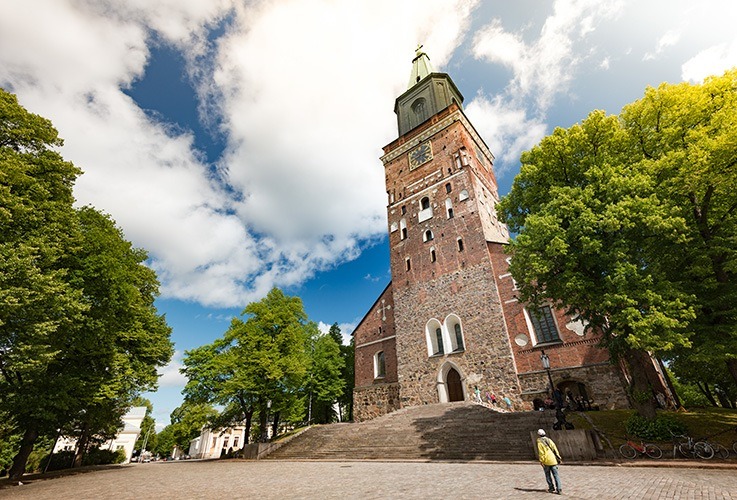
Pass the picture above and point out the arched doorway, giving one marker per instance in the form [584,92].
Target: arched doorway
[453,383]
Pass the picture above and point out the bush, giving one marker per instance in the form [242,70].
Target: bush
[659,429]
[96,456]
[59,460]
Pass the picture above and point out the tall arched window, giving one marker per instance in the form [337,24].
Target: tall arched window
[427,236]
[403,229]
[434,337]
[449,208]
[424,203]
[455,331]
[379,365]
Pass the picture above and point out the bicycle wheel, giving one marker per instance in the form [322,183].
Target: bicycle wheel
[627,451]
[653,451]
[685,450]
[703,450]
[720,451]
[734,447]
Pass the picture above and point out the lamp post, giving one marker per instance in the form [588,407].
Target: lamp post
[546,364]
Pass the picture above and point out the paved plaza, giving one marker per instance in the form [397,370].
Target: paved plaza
[367,480]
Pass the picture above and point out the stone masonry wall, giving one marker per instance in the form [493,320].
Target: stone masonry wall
[603,384]
[486,361]
[374,401]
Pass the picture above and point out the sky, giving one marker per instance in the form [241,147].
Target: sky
[238,141]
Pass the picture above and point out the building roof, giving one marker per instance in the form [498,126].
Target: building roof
[421,67]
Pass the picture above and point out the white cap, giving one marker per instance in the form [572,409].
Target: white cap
[540,432]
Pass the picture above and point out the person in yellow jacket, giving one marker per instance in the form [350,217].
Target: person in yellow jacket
[549,459]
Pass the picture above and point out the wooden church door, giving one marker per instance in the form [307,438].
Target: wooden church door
[453,383]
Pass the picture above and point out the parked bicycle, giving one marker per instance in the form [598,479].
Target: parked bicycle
[691,448]
[720,451]
[632,449]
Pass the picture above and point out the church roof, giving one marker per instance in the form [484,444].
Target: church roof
[421,67]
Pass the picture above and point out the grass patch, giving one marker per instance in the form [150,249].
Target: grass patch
[720,423]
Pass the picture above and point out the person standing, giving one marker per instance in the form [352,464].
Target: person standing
[507,402]
[549,459]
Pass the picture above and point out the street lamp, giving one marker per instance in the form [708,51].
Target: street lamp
[546,364]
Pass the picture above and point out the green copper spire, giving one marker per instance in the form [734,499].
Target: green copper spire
[421,67]
[428,94]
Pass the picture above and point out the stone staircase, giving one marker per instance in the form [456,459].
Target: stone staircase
[447,431]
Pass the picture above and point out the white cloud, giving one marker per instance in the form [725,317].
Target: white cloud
[544,67]
[298,85]
[712,61]
[514,121]
[169,375]
[670,38]
[346,330]
[510,130]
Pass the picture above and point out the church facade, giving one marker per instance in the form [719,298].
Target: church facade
[449,320]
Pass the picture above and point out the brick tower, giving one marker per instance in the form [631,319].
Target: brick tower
[449,322]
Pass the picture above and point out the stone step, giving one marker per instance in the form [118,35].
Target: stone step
[451,431]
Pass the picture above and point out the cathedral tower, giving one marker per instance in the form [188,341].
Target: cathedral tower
[449,322]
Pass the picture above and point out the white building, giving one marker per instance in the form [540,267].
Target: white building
[125,439]
[212,443]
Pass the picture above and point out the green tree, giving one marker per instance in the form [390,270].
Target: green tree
[37,224]
[259,365]
[347,352]
[325,383]
[636,216]
[79,334]
[589,223]
[187,422]
[685,137]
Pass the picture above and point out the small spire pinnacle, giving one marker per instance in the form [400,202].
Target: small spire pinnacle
[421,66]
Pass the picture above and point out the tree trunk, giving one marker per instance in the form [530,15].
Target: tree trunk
[262,423]
[704,388]
[640,390]
[81,446]
[275,425]
[249,421]
[732,367]
[19,461]
[723,399]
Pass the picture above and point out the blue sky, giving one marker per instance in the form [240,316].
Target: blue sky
[239,141]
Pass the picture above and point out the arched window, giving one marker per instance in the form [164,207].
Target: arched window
[455,331]
[434,337]
[403,229]
[460,245]
[463,195]
[427,236]
[433,258]
[448,188]
[407,264]
[449,208]
[379,365]
[425,210]
[420,110]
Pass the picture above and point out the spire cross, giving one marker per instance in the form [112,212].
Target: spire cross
[382,310]
[418,50]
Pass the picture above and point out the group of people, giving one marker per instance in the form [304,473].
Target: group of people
[491,398]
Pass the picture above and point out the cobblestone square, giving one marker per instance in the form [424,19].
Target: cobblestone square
[375,480]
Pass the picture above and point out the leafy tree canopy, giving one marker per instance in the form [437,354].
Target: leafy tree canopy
[630,223]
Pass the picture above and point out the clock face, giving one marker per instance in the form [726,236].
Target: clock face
[420,155]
